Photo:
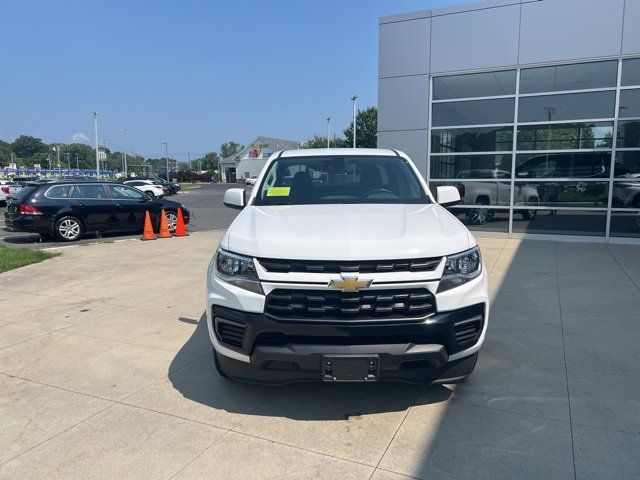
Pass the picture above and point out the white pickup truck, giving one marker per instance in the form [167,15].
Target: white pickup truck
[7,189]
[343,266]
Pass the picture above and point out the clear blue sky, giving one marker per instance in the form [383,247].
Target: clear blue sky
[196,73]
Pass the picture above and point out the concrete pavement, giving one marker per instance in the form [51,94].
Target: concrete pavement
[105,371]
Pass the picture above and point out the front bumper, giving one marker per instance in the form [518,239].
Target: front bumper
[259,348]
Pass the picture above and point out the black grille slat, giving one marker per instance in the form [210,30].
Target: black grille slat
[468,330]
[336,305]
[231,333]
[319,266]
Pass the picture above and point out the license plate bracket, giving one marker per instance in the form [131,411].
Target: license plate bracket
[350,368]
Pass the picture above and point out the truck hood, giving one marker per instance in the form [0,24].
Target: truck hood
[346,232]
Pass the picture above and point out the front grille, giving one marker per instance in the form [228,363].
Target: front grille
[365,305]
[279,339]
[377,266]
[468,330]
[230,332]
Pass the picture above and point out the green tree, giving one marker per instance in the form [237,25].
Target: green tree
[26,146]
[230,148]
[210,161]
[366,130]
[319,141]
[5,153]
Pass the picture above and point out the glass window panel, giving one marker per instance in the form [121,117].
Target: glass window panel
[627,164]
[475,112]
[560,222]
[483,219]
[625,224]
[555,165]
[475,85]
[478,192]
[629,103]
[572,136]
[578,76]
[626,193]
[628,134]
[631,72]
[571,106]
[483,139]
[471,166]
[562,194]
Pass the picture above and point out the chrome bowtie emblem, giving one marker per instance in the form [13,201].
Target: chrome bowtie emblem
[350,283]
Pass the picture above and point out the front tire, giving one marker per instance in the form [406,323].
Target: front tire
[172,220]
[151,194]
[68,229]
[480,216]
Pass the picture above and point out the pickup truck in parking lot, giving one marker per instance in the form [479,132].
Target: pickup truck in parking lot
[343,266]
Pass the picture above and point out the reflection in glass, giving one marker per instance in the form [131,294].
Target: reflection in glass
[627,164]
[625,224]
[573,136]
[562,222]
[577,76]
[476,192]
[475,112]
[470,166]
[483,219]
[557,165]
[483,139]
[626,193]
[631,72]
[629,103]
[628,134]
[564,194]
[475,85]
[571,106]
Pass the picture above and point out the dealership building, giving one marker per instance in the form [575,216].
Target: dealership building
[530,108]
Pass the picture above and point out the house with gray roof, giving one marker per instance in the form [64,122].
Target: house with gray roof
[250,160]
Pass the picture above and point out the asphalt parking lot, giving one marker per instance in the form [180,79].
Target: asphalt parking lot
[204,202]
[106,372]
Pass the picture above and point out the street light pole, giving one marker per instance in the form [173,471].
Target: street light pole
[123,131]
[353,99]
[189,155]
[166,156]
[328,129]
[95,123]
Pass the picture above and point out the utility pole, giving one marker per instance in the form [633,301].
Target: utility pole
[77,163]
[166,157]
[353,99]
[57,147]
[328,129]
[68,155]
[95,124]
[123,132]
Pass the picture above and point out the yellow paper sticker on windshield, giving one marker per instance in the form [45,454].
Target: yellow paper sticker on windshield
[278,191]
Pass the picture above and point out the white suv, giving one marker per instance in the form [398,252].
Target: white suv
[342,266]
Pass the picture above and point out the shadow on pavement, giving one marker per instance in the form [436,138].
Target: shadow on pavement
[201,383]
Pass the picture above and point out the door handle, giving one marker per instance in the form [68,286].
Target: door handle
[118,205]
[79,205]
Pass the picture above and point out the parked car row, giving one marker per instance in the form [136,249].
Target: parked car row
[68,209]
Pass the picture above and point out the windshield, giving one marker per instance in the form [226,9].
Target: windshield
[340,179]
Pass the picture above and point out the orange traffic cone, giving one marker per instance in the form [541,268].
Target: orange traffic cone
[164,226]
[147,233]
[181,229]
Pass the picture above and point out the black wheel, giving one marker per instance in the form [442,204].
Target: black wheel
[172,220]
[151,194]
[480,216]
[216,362]
[531,213]
[68,229]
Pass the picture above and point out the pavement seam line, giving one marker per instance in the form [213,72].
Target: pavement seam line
[398,473]
[615,259]
[199,455]
[406,414]
[564,356]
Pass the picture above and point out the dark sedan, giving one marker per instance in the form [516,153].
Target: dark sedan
[67,210]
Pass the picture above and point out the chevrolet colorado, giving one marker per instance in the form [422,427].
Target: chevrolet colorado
[343,266]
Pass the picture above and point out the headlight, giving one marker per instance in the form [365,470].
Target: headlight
[460,268]
[238,270]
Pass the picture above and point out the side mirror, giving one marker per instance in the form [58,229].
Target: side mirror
[234,198]
[447,196]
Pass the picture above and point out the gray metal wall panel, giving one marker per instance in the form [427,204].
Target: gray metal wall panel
[556,30]
[413,143]
[403,103]
[477,39]
[631,35]
[404,48]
